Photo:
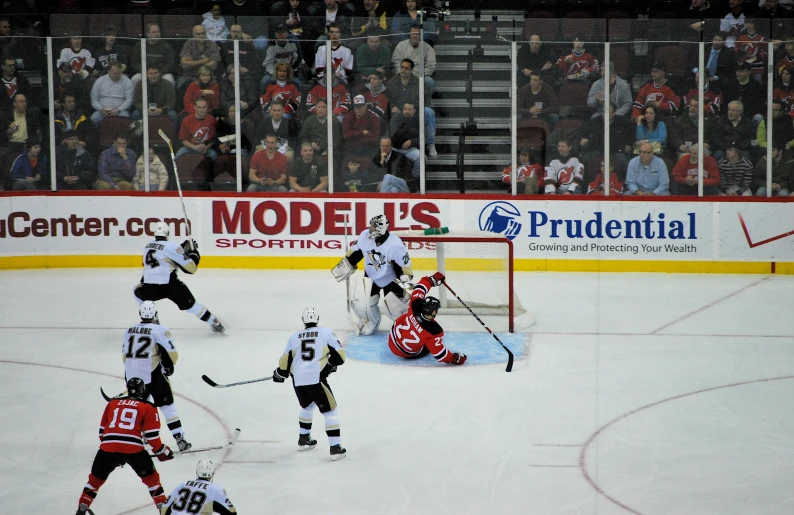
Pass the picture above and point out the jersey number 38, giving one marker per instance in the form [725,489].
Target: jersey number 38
[189,501]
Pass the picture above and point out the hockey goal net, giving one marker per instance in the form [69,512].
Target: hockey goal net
[478,265]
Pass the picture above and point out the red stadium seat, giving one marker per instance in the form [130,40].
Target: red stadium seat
[193,171]
[674,57]
[111,127]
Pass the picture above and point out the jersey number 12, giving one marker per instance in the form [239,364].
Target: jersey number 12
[141,353]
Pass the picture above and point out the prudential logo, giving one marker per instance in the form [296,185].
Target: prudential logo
[502,218]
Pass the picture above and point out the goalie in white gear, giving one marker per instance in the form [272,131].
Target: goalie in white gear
[199,495]
[385,259]
[161,259]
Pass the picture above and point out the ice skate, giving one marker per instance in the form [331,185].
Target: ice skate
[337,452]
[305,443]
[182,443]
[217,326]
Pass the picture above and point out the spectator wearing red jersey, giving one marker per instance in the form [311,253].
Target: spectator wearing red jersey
[339,104]
[598,185]
[787,60]
[375,94]
[126,424]
[685,174]
[203,87]
[578,65]
[528,173]
[656,91]
[284,89]
[751,48]
[361,129]
[268,168]
[784,89]
[197,132]
[712,95]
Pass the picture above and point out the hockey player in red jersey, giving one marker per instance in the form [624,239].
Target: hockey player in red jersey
[126,423]
[416,333]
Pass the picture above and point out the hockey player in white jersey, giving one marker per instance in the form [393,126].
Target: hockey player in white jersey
[311,355]
[161,259]
[200,495]
[149,353]
[385,259]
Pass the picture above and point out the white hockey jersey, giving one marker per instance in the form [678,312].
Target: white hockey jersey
[160,258]
[78,61]
[198,496]
[307,354]
[140,352]
[378,258]
[563,176]
[341,59]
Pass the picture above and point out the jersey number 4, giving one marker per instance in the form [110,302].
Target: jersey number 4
[141,352]
[189,501]
[150,260]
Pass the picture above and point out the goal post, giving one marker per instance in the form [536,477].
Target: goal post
[478,264]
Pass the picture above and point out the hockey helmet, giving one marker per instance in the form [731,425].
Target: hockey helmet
[205,469]
[148,310]
[310,316]
[136,388]
[378,226]
[161,230]
[430,308]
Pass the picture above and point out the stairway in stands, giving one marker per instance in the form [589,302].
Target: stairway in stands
[487,149]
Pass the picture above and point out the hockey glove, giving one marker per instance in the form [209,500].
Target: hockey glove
[458,359]
[328,370]
[437,278]
[186,245]
[164,453]
[167,371]
[194,255]
[278,378]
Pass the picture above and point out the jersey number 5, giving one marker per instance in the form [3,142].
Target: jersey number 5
[141,353]
[150,260]
[307,351]
[189,501]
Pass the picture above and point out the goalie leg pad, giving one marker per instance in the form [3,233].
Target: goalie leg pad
[359,303]
[373,316]
[395,306]
[343,270]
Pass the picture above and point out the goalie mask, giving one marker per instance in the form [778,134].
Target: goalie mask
[310,316]
[430,308]
[378,226]
[161,230]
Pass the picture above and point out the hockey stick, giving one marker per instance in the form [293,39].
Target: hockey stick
[216,385]
[178,186]
[108,398]
[347,279]
[509,353]
[235,436]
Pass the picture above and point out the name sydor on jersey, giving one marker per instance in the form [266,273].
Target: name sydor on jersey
[160,258]
[378,258]
[141,351]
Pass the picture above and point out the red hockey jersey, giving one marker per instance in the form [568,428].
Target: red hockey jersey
[289,94]
[597,186]
[749,47]
[411,333]
[339,104]
[197,131]
[126,422]
[663,95]
[523,171]
[713,101]
[582,65]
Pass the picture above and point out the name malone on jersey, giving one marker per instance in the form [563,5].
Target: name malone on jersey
[136,329]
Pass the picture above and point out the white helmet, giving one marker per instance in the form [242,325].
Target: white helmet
[161,229]
[378,226]
[148,310]
[205,469]
[310,316]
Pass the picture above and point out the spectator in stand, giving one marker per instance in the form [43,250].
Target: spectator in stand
[372,57]
[393,171]
[226,134]
[77,57]
[535,57]
[684,129]
[268,169]
[751,48]
[158,175]
[203,87]
[109,52]
[294,15]
[406,18]
[619,94]
[685,174]
[340,103]
[111,95]
[75,168]
[67,83]
[17,127]
[771,9]
[369,19]
[711,94]
[337,14]
[249,59]
[733,127]
[249,99]
[647,174]
[315,130]
[286,91]
[355,177]
[598,185]
[377,99]
[564,175]
[650,128]
[528,173]
[621,139]
[656,91]
[30,170]
[197,132]
[784,89]
[285,51]
[404,133]
[12,83]
[787,61]
[158,54]
[720,60]
[702,10]
[215,25]
[116,166]
[781,128]
[579,65]
[161,96]
[410,49]
[308,174]
[782,169]
[70,117]
[537,101]
[404,88]
[736,174]
[8,44]
[361,129]
[197,52]
[341,56]
[732,24]
[284,128]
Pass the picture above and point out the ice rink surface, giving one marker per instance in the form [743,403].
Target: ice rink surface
[633,393]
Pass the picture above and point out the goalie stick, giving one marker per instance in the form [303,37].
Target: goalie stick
[509,353]
[216,385]
[178,186]
[235,436]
